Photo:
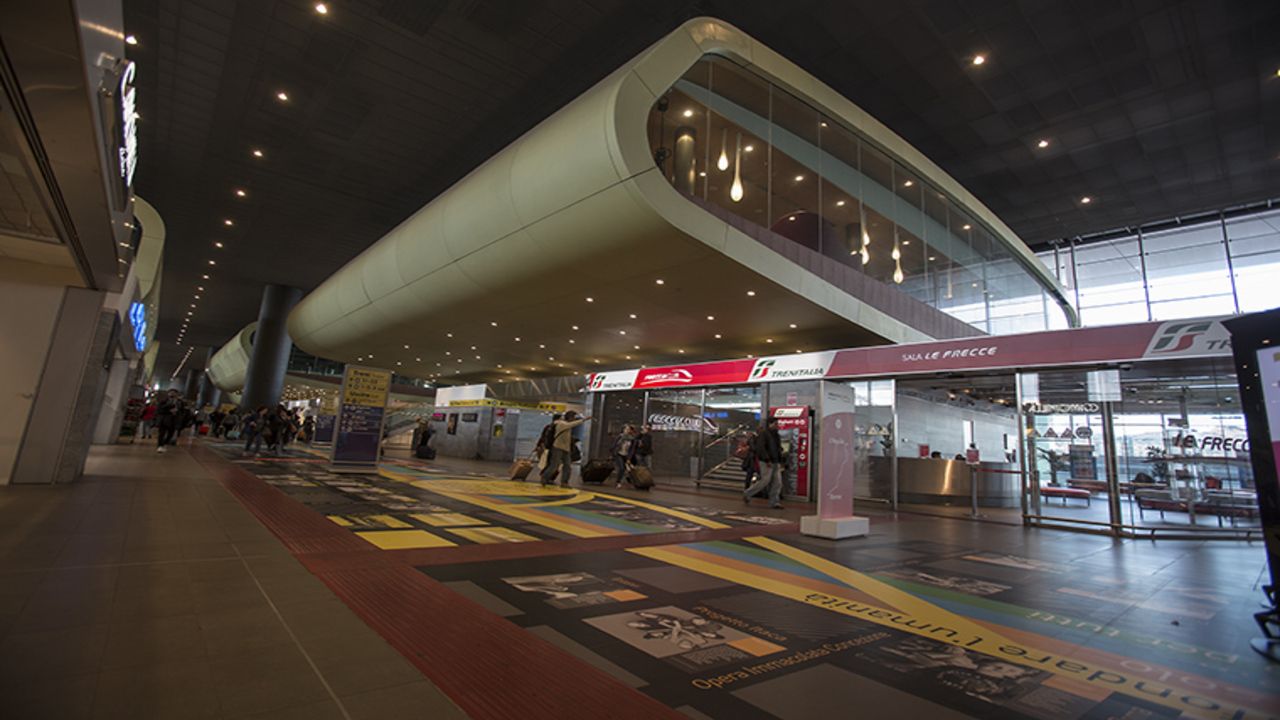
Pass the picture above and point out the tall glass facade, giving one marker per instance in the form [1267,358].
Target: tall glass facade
[1219,266]
[740,145]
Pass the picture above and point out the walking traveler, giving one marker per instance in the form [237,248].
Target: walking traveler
[768,452]
[624,448]
[148,422]
[643,447]
[561,455]
[168,415]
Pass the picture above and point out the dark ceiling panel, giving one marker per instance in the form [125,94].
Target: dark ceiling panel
[1155,109]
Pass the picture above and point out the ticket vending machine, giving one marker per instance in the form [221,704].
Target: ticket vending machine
[795,425]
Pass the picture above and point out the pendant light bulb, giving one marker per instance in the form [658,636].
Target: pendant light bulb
[722,163]
[896,254]
[866,254]
[897,275]
[735,191]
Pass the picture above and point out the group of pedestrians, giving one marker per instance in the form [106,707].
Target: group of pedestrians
[167,414]
[277,428]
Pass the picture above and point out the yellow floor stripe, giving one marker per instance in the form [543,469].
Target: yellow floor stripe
[404,539]
[446,519]
[489,535]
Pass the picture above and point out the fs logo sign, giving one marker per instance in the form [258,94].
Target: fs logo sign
[597,381]
[761,369]
[1179,337]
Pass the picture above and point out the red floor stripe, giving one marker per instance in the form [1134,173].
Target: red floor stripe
[491,668]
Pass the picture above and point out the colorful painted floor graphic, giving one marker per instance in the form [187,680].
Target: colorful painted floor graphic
[409,507]
[790,627]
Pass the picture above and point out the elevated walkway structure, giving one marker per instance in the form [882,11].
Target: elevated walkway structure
[707,199]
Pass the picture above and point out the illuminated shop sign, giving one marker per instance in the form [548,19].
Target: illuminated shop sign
[138,318]
[128,152]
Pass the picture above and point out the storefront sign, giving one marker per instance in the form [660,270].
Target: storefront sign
[1117,343]
[128,151]
[1085,408]
[359,422]
[511,404]
[680,423]
[797,418]
[1209,443]
[138,319]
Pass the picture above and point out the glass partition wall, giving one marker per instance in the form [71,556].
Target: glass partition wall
[739,145]
[1153,448]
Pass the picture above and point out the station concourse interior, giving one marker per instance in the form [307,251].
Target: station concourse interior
[613,360]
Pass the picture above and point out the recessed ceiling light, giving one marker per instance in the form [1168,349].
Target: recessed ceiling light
[417,359]
[908,183]
[571,341]
[768,340]
[748,148]
[711,317]
[196,297]
[131,39]
[282,96]
[241,193]
[636,347]
[211,262]
[448,352]
[493,323]
[967,227]
[206,277]
[448,334]
[1042,144]
[751,293]
[322,8]
[906,242]
[257,153]
[541,346]
[979,59]
[632,316]
[217,244]
[932,258]
[622,332]
[687,113]
[792,218]
[517,339]
[406,347]
[799,178]
[839,203]
[228,222]
[793,326]
[1086,200]
[717,336]
[702,174]
[575,327]
[628,357]
[591,299]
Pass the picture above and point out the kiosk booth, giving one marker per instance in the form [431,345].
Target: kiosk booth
[1130,429]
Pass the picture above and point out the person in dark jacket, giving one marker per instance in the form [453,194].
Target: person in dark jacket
[167,418]
[643,451]
[255,426]
[749,465]
[768,452]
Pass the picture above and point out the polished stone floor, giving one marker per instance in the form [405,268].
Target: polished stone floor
[200,583]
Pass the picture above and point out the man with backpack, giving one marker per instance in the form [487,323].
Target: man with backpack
[561,449]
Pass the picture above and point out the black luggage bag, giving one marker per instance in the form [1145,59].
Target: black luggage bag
[595,472]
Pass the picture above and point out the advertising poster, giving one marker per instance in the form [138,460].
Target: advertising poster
[836,464]
[1269,369]
[359,422]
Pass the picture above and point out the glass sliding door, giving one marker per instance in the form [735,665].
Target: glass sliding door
[732,414]
[1065,449]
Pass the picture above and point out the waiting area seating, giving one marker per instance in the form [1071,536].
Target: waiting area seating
[1065,493]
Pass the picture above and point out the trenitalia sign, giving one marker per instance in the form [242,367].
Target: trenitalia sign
[1205,337]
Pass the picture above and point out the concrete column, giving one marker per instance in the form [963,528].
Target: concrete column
[191,384]
[271,345]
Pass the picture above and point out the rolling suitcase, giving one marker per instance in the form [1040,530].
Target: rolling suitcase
[641,478]
[520,469]
[425,452]
[596,472]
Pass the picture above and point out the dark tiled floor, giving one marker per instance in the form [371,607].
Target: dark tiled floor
[147,591]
